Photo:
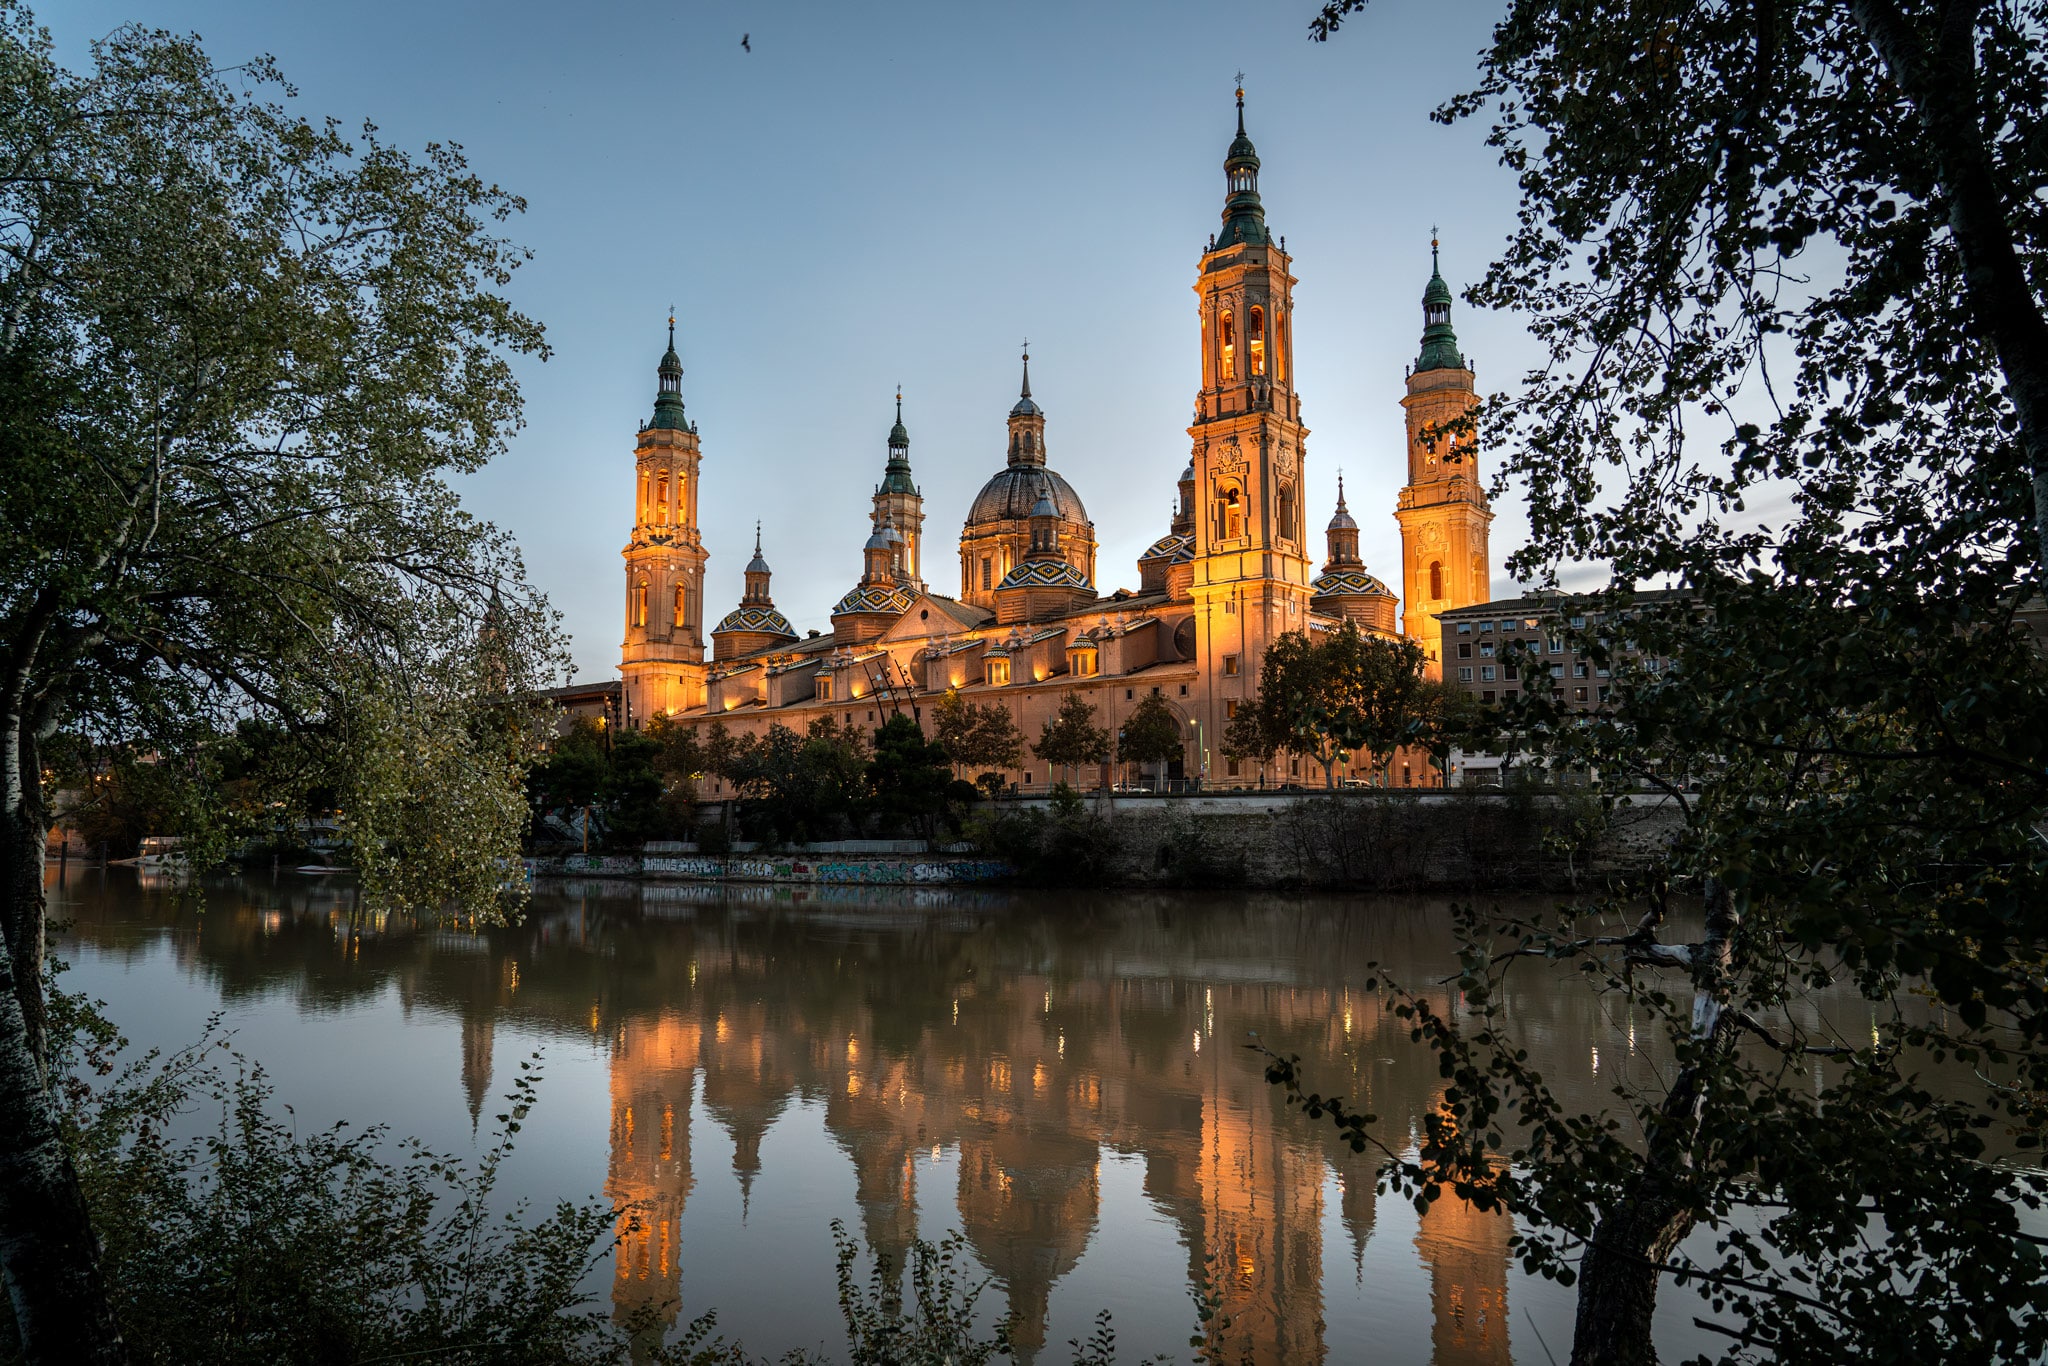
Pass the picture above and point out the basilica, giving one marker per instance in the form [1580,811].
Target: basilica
[1029,622]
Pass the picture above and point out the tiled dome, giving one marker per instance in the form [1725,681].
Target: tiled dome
[872,599]
[1043,574]
[755,619]
[1349,581]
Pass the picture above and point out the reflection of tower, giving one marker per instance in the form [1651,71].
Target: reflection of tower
[653,1076]
[1466,1251]
[1442,511]
[746,1087]
[476,1062]
[1028,1201]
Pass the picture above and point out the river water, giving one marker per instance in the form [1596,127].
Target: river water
[1060,1077]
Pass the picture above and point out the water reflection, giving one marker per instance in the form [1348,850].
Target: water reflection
[1028,1037]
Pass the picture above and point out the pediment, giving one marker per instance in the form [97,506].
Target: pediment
[931,614]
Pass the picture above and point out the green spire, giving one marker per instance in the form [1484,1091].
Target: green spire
[897,477]
[1439,342]
[668,399]
[1244,217]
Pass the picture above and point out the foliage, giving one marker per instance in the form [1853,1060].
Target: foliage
[631,782]
[981,737]
[1328,698]
[1191,855]
[909,778]
[1070,738]
[1814,232]
[801,787]
[1059,845]
[1151,734]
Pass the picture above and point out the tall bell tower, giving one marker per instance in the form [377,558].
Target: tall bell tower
[1251,565]
[1442,511]
[662,659]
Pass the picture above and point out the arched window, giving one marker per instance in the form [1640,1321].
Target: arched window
[661,498]
[1436,580]
[644,481]
[1287,512]
[640,605]
[1228,330]
[1229,514]
[682,606]
[1255,334]
[1280,346]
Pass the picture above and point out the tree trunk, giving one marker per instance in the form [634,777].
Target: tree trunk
[1618,1278]
[49,1254]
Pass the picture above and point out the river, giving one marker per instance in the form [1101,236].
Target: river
[1061,1077]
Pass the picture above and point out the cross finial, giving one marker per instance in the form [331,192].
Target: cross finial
[899,403]
[757,537]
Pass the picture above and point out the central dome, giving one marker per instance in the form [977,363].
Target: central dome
[1013,492]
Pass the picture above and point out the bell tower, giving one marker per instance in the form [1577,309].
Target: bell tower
[1251,567]
[899,505]
[1442,511]
[662,659]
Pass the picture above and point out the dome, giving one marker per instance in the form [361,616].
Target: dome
[878,541]
[757,565]
[1349,582]
[1026,408]
[1042,574]
[1015,491]
[872,598]
[755,619]
[1170,548]
[1343,521]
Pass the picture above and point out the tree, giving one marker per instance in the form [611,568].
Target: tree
[908,776]
[239,354]
[1814,232]
[995,745]
[1151,734]
[1070,737]
[1329,698]
[805,786]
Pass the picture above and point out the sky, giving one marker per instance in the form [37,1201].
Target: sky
[890,194]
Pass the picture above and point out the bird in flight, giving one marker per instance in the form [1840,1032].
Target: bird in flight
[746,43]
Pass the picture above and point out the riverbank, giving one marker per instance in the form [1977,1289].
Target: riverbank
[1419,841]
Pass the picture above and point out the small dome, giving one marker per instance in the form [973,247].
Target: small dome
[879,541]
[1187,476]
[872,598]
[1013,492]
[1026,408]
[1042,574]
[1168,548]
[1343,521]
[757,565]
[1349,583]
[755,619]
[1043,507]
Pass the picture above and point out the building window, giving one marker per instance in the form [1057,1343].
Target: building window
[1287,513]
[1229,514]
[997,672]
[1509,673]
[640,605]
[1230,711]
[1579,670]
[824,692]
[1603,694]
[1578,694]
[1510,695]
[1486,649]
[1127,694]
[1464,628]
[1255,335]
[1230,666]
[1486,696]
[1229,331]
[1183,690]
[1465,674]
[682,605]
[1083,663]
[1233,768]
[1485,628]
[1557,645]
[1436,580]
[1557,671]
[988,565]
[1464,648]
[1486,673]
[1027,777]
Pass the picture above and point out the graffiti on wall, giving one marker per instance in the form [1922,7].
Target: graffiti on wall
[875,871]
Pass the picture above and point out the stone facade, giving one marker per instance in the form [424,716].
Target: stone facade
[1030,623]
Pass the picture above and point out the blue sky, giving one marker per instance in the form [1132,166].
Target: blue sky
[901,193]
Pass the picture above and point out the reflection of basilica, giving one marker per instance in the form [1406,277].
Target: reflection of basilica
[1028,1039]
[1029,1077]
